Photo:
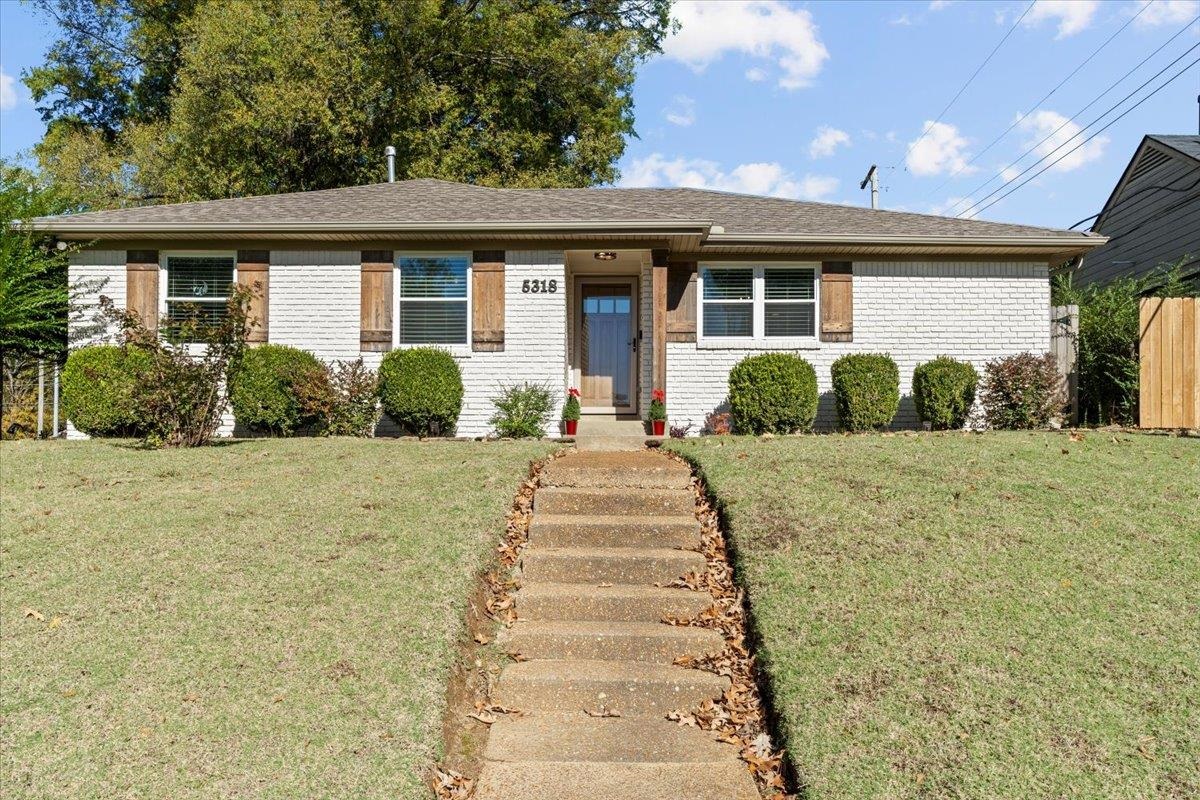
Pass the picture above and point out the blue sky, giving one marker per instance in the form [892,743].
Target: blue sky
[798,99]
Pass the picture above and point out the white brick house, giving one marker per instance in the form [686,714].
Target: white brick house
[616,291]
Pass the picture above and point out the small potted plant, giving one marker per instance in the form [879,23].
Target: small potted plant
[570,413]
[658,411]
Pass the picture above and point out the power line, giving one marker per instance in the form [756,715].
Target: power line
[1035,106]
[1168,82]
[971,79]
[1064,124]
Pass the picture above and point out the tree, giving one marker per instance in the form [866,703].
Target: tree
[186,99]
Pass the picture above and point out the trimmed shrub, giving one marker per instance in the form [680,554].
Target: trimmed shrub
[421,388]
[1021,391]
[99,383]
[773,393]
[262,388]
[944,391]
[523,410]
[867,389]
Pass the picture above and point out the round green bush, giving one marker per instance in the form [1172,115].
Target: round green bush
[866,387]
[98,385]
[944,391]
[773,393]
[422,389]
[262,388]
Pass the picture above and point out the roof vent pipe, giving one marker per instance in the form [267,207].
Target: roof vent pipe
[390,152]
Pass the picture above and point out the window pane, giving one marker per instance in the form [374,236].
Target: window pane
[789,319]
[201,277]
[437,276]
[209,313]
[433,322]
[728,319]
[728,284]
[789,284]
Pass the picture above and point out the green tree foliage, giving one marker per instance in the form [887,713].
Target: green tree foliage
[34,295]
[187,99]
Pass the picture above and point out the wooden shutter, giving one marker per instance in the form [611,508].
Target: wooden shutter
[375,317]
[253,272]
[681,301]
[141,286]
[837,301]
[487,300]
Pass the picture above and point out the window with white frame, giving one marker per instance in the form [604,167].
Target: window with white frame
[433,298]
[198,287]
[758,302]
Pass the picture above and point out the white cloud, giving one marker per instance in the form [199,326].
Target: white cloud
[682,111]
[8,91]
[1165,12]
[826,142]
[1058,133]
[1072,16]
[940,150]
[755,74]
[763,178]
[902,20]
[766,29]
[938,5]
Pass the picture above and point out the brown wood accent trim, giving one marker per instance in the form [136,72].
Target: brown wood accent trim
[487,301]
[681,301]
[253,272]
[658,346]
[837,301]
[141,286]
[375,309]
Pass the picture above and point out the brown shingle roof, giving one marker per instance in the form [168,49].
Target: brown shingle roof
[444,203]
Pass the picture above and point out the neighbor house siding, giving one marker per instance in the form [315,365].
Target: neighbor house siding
[914,311]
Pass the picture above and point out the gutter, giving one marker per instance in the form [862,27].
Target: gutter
[66,225]
[1073,240]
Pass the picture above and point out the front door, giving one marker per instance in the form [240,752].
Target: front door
[606,333]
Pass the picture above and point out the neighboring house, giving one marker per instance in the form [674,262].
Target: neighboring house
[615,291]
[1152,218]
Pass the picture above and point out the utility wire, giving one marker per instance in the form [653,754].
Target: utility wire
[1050,135]
[1035,106]
[1116,119]
[1134,195]
[970,80]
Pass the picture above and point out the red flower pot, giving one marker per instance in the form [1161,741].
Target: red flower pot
[660,426]
[572,425]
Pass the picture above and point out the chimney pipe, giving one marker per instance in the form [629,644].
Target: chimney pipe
[873,179]
[390,152]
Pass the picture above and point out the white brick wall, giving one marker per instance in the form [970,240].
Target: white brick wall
[313,301]
[94,274]
[913,311]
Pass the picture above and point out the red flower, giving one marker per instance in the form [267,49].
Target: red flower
[572,392]
[659,395]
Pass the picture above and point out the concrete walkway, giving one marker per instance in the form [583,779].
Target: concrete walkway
[609,531]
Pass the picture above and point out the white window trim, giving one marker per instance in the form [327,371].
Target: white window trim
[164,277]
[759,340]
[457,350]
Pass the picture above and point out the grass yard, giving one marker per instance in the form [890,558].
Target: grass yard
[950,615]
[267,619]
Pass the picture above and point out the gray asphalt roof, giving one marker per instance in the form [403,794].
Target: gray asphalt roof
[429,201]
[1188,145]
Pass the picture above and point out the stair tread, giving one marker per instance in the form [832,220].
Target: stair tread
[578,737]
[585,670]
[572,780]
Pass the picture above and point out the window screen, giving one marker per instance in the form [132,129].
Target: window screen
[789,302]
[198,287]
[433,299]
[728,302]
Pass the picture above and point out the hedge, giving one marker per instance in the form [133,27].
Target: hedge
[98,384]
[422,390]
[773,393]
[866,387]
[944,391]
[262,388]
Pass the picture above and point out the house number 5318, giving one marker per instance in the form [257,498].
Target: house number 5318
[539,286]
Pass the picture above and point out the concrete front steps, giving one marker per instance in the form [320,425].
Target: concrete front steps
[610,530]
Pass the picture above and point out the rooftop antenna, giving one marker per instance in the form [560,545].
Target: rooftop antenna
[873,179]
[390,153]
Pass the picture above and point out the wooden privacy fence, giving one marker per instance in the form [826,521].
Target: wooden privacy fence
[1168,345]
[1064,344]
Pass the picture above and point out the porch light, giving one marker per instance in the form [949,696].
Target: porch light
[605,255]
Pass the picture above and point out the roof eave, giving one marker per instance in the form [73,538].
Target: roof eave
[1082,240]
[67,226]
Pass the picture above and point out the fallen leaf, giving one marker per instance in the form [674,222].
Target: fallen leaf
[55,622]
[603,711]
[32,612]
[480,638]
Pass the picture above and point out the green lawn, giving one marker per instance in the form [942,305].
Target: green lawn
[978,616]
[271,618]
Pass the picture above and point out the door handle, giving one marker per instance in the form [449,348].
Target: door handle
[633,343]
